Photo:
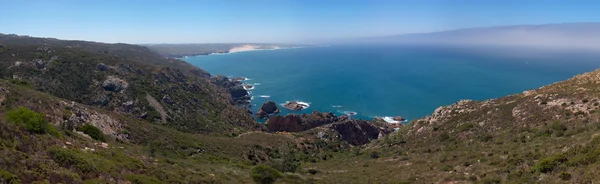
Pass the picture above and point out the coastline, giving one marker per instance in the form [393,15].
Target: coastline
[242,48]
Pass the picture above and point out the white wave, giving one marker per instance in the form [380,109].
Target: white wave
[305,104]
[336,106]
[264,96]
[256,84]
[350,113]
[251,97]
[389,119]
[248,88]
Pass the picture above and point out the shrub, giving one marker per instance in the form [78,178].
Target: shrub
[558,126]
[447,168]
[285,165]
[141,179]
[548,164]
[7,177]
[313,171]
[443,137]
[72,158]
[464,127]
[93,132]
[264,174]
[374,154]
[20,82]
[34,122]
[565,176]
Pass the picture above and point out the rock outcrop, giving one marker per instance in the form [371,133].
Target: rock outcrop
[298,123]
[114,84]
[235,88]
[295,106]
[266,109]
[356,132]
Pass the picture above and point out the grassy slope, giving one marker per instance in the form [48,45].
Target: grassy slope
[153,152]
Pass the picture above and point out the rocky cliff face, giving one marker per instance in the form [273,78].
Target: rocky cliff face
[234,87]
[356,132]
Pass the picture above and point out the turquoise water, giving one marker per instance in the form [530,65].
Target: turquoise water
[393,80]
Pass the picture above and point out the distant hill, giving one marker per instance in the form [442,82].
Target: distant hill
[568,35]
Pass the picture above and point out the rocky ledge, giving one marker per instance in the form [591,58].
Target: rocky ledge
[294,105]
[298,123]
[267,109]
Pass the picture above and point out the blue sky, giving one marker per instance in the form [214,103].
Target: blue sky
[218,21]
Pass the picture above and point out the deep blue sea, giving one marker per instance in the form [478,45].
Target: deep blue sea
[393,80]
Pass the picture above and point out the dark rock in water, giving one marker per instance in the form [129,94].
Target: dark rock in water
[298,123]
[399,118]
[295,106]
[267,108]
[237,91]
[234,87]
[356,132]
[238,79]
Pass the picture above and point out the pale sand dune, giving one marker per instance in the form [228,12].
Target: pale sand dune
[243,48]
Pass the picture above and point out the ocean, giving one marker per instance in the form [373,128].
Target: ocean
[393,80]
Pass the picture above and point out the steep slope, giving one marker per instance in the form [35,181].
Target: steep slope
[126,149]
[123,78]
[548,135]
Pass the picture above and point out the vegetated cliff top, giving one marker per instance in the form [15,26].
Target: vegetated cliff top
[128,79]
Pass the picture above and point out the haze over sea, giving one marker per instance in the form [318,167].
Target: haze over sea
[393,80]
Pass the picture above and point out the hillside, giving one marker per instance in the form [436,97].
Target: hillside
[85,112]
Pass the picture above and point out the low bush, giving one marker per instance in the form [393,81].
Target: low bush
[72,158]
[141,179]
[548,164]
[565,176]
[264,174]
[32,121]
[93,132]
[7,177]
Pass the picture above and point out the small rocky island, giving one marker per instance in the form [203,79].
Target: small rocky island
[294,105]
[267,108]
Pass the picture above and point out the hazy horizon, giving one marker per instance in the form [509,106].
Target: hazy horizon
[262,21]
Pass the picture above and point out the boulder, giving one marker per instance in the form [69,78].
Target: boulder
[399,118]
[102,67]
[295,106]
[267,108]
[114,84]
